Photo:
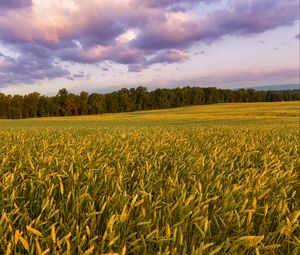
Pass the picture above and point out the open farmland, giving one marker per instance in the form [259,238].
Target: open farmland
[213,179]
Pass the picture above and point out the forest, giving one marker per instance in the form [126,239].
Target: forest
[126,100]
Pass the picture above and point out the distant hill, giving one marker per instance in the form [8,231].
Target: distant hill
[276,87]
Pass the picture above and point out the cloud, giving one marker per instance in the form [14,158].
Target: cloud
[161,57]
[137,68]
[297,37]
[28,68]
[235,79]
[14,4]
[199,52]
[118,54]
[169,56]
[168,3]
[244,18]
[135,33]
[256,75]
[105,69]
[80,74]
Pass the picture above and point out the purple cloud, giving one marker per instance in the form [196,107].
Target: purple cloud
[161,57]
[137,68]
[243,18]
[97,29]
[167,3]
[133,33]
[250,17]
[258,75]
[79,75]
[105,69]
[28,68]
[14,4]
[117,54]
[169,56]
[199,52]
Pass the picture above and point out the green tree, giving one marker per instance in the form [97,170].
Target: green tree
[96,103]
[83,103]
[17,102]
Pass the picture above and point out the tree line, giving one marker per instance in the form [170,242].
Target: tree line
[126,100]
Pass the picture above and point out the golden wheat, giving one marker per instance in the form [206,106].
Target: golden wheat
[149,184]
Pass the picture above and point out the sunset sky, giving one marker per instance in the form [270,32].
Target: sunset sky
[104,45]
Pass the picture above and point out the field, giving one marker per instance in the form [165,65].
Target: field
[213,179]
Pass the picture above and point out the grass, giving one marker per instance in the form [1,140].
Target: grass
[284,112]
[216,179]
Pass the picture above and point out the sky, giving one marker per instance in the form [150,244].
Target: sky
[105,45]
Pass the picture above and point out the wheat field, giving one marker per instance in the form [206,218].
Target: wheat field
[213,179]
